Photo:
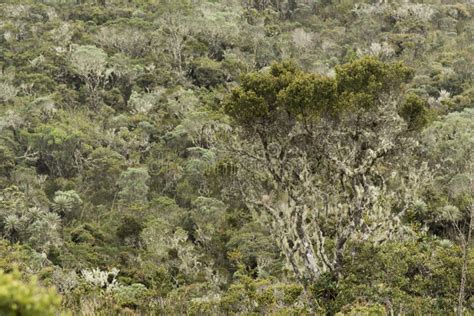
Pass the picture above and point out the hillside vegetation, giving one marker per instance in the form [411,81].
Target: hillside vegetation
[236,157]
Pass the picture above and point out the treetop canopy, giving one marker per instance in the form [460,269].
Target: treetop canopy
[285,88]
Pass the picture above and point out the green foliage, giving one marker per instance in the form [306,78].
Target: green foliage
[375,309]
[310,95]
[89,62]
[448,144]
[25,298]
[57,146]
[67,203]
[122,125]
[265,97]
[415,112]
[207,72]
[261,296]
[132,295]
[363,82]
[256,101]
[133,185]
[370,76]
[102,174]
[130,228]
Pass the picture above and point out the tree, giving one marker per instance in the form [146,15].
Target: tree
[131,41]
[43,230]
[176,31]
[59,148]
[66,203]
[90,63]
[12,226]
[317,157]
[25,220]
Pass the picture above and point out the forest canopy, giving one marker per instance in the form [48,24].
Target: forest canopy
[282,157]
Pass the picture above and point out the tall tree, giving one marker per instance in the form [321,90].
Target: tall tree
[319,158]
[90,64]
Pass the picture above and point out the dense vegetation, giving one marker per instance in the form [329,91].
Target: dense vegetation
[236,157]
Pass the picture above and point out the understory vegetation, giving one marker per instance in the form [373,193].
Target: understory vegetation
[236,157]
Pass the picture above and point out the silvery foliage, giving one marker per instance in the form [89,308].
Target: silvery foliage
[129,41]
[142,103]
[66,201]
[421,12]
[449,143]
[8,36]
[160,237]
[43,229]
[20,221]
[65,282]
[381,50]
[196,125]
[10,119]
[364,9]
[16,11]
[302,39]
[44,106]
[345,175]
[437,102]
[175,29]
[90,63]
[101,279]
[62,36]
[7,91]
[36,226]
